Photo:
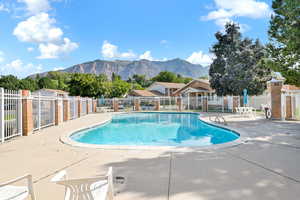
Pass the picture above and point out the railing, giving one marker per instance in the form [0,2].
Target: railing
[83,107]
[290,106]
[40,111]
[10,114]
[73,107]
[200,104]
[43,111]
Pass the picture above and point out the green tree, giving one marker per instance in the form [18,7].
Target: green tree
[46,82]
[62,79]
[102,77]
[119,88]
[165,76]
[115,77]
[284,34]
[10,82]
[140,79]
[83,85]
[238,64]
[29,84]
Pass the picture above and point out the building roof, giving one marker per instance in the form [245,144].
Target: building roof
[205,85]
[170,85]
[53,90]
[290,87]
[144,93]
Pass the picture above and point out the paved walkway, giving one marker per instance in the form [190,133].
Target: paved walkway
[266,167]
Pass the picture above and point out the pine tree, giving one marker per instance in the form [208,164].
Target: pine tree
[284,33]
[238,64]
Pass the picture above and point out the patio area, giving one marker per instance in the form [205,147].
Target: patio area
[265,167]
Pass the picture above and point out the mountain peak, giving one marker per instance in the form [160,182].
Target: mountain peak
[127,69]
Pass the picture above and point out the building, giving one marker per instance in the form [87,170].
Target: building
[165,88]
[145,93]
[51,92]
[196,87]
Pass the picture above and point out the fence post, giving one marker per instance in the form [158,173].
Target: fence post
[116,105]
[275,87]
[87,106]
[157,104]
[2,114]
[205,105]
[27,117]
[179,104]
[137,104]
[39,111]
[94,106]
[66,107]
[20,112]
[235,103]
[79,106]
[57,111]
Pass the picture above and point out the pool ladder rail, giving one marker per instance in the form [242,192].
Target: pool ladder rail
[219,119]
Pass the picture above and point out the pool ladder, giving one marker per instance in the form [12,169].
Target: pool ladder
[219,119]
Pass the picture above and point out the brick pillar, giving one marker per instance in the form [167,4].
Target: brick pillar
[288,112]
[27,120]
[157,104]
[66,106]
[205,106]
[274,87]
[87,106]
[235,103]
[179,104]
[225,103]
[79,106]
[94,106]
[116,105]
[137,105]
[58,114]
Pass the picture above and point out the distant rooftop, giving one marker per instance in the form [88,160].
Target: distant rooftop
[170,85]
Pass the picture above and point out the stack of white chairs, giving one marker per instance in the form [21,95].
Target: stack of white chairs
[8,190]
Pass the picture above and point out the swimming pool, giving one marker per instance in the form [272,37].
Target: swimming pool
[155,129]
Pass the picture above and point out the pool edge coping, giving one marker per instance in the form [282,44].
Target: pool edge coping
[65,138]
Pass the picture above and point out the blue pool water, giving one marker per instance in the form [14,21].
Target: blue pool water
[156,129]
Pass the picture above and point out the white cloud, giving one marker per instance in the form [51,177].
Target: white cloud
[111,51]
[4,8]
[147,56]
[37,29]
[200,58]
[30,49]
[1,57]
[227,9]
[36,6]
[18,68]
[41,29]
[51,50]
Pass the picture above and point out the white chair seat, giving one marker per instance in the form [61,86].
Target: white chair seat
[98,189]
[11,192]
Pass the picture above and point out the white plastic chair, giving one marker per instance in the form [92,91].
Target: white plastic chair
[98,188]
[11,192]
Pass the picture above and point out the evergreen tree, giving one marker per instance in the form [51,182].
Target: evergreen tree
[284,33]
[238,64]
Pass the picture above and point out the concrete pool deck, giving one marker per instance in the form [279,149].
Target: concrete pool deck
[267,166]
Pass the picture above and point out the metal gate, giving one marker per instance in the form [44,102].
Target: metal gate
[10,114]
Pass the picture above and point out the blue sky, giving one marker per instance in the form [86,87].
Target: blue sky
[43,35]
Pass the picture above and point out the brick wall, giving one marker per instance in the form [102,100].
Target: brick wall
[27,120]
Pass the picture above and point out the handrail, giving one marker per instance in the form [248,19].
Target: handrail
[218,119]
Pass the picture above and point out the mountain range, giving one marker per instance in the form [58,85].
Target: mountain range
[127,69]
